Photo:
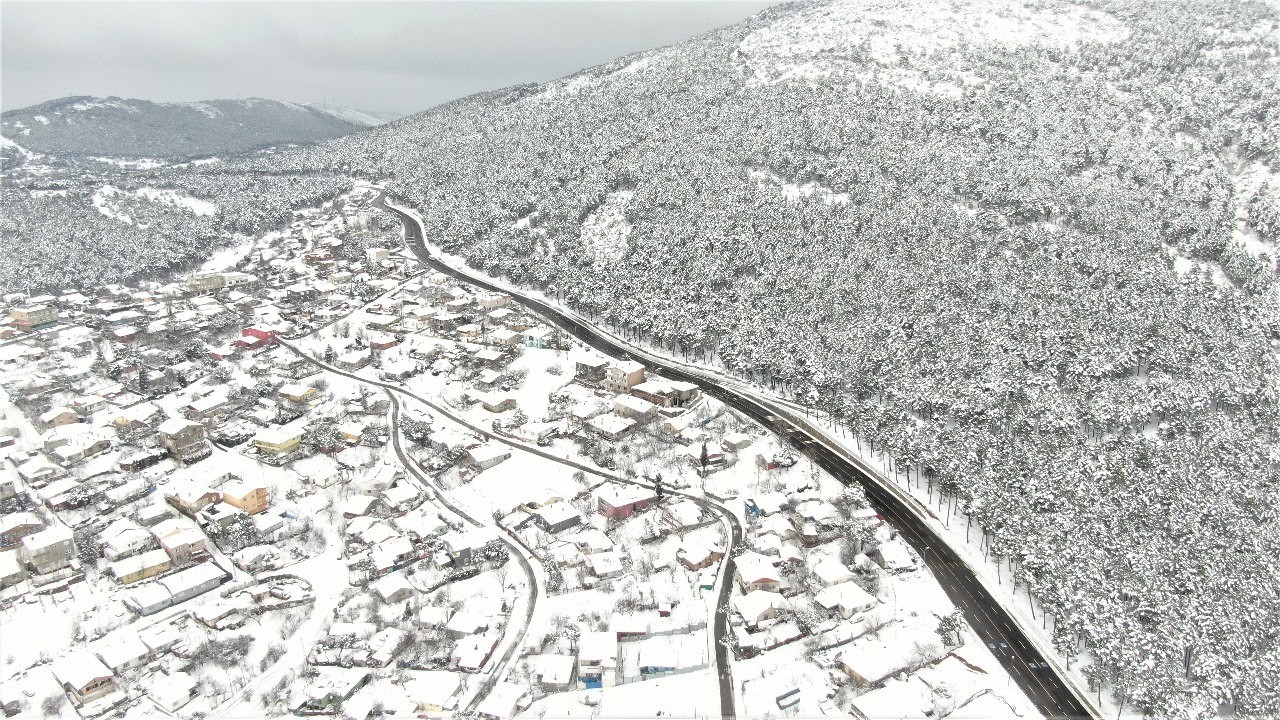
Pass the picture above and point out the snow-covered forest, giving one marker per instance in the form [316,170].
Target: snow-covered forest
[1031,253]
[82,232]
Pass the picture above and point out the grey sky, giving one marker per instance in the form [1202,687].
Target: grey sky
[381,56]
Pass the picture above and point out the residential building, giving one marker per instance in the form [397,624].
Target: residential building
[15,526]
[622,501]
[621,376]
[185,440]
[140,567]
[12,571]
[190,496]
[83,676]
[248,497]
[59,416]
[182,542]
[298,393]
[49,550]
[488,455]
[206,282]
[279,440]
[33,317]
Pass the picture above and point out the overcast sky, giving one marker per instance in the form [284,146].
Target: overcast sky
[381,56]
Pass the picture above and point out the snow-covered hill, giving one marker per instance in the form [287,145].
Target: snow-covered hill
[1027,248]
[118,127]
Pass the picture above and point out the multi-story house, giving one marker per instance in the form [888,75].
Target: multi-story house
[621,376]
[49,550]
[185,440]
[250,498]
[33,317]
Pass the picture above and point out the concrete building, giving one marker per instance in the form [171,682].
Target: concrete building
[49,550]
[250,498]
[33,317]
[140,567]
[83,676]
[623,375]
[279,440]
[206,282]
[185,440]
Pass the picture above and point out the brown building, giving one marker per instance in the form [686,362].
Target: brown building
[185,440]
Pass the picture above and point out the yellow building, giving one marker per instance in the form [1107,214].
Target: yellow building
[140,567]
[252,499]
[280,440]
[299,393]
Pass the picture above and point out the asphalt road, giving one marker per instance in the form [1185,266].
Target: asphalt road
[1040,680]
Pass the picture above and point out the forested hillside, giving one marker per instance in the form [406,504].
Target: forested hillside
[72,228]
[1029,250]
[138,128]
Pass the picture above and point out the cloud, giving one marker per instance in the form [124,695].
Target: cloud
[393,56]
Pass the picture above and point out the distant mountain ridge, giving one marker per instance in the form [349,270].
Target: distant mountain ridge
[118,127]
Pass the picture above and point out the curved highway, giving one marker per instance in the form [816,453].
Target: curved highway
[1041,680]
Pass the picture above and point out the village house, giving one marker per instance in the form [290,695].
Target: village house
[538,338]
[123,538]
[256,336]
[83,676]
[847,598]
[12,571]
[622,375]
[610,426]
[185,440]
[381,341]
[140,567]
[598,659]
[190,496]
[15,526]
[488,455]
[33,317]
[696,556]
[557,517]
[554,673]
[209,406]
[182,542]
[622,501]
[353,360]
[756,572]
[295,392]
[248,497]
[58,417]
[667,393]
[49,550]
[505,337]
[875,658]
[635,408]
[279,440]
[757,606]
